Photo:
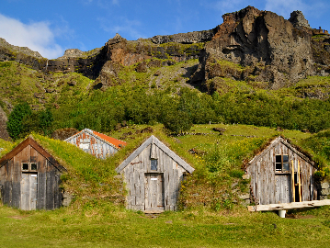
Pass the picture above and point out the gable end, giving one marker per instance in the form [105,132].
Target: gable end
[288,145]
[153,140]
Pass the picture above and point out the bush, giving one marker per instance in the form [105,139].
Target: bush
[15,119]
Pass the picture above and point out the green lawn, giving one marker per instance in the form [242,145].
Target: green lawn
[110,226]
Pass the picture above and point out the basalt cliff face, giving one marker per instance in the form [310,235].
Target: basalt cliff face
[250,45]
[267,47]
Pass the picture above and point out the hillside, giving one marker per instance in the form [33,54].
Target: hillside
[215,97]
[97,217]
[255,68]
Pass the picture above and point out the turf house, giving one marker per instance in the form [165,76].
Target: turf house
[30,177]
[153,175]
[281,173]
[95,143]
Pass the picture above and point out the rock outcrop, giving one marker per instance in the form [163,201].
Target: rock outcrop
[266,47]
[185,38]
[17,49]
[297,19]
[22,55]
[250,45]
[71,53]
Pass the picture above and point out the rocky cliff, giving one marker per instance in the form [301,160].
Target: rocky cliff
[22,55]
[267,48]
[250,45]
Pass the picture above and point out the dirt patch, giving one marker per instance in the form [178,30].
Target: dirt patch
[17,217]
[295,216]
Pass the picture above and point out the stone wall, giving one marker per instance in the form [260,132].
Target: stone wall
[325,190]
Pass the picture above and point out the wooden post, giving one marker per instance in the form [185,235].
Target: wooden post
[298,181]
[292,181]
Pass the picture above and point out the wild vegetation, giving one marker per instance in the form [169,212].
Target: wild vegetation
[97,213]
[98,218]
[101,224]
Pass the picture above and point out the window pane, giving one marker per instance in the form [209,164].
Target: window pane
[25,167]
[278,167]
[33,166]
[286,167]
[278,159]
[285,158]
[154,164]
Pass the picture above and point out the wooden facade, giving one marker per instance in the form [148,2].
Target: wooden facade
[153,175]
[95,143]
[281,174]
[30,177]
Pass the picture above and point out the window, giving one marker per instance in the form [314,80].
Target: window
[282,163]
[34,166]
[154,164]
[29,166]
[25,167]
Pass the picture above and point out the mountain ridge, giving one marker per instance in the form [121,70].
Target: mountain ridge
[253,54]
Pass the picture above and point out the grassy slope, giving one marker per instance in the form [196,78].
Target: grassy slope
[92,220]
[6,147]
[19,83]
[107,226]
[236,144]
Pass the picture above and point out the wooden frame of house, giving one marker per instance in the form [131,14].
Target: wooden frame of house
[95,143]
[30,177]
[153,175]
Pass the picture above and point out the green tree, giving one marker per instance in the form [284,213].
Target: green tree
[45,120]
[178,121]
[15,119]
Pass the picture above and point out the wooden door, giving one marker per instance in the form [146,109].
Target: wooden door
[283,188]
[29,186]
[153,193]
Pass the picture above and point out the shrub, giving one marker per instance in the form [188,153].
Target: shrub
[14,125]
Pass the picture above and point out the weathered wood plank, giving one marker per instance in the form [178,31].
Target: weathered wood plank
[50,189]
[287,206]
[163,147]
[25,189]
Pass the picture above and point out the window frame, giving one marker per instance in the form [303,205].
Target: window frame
[151,165]
[29,166]
[282,171]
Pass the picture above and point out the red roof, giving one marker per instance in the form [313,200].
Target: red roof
[118,143]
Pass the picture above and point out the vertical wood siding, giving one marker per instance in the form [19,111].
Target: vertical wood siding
[135,178]
[92,145]
[47,187]
[269,187]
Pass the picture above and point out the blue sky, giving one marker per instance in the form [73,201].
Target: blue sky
[50,27]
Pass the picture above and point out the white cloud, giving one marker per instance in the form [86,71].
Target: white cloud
[37,36]
[126,27]
[285,7]
[226,6]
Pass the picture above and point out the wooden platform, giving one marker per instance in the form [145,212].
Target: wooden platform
[286,206]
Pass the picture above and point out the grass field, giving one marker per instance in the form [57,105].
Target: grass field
[93,221]
[106,225]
